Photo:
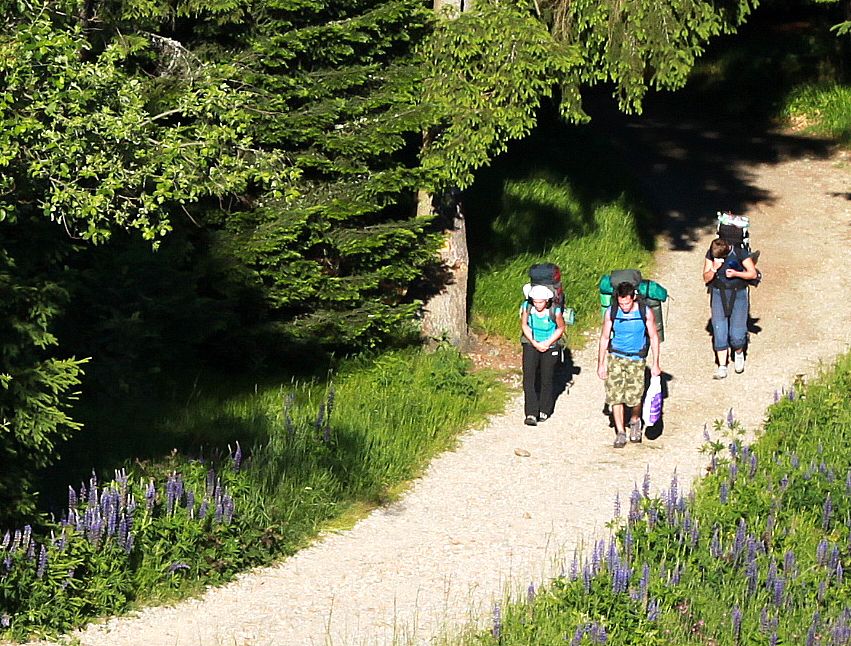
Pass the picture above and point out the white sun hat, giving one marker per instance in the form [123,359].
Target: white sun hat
[540,293]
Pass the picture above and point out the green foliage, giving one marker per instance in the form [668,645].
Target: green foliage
[757,554]
[166,527]
[639,44]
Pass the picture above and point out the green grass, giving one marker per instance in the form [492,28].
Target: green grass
[824,109]
[756,555]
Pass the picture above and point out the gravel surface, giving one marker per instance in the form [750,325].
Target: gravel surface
[483,520]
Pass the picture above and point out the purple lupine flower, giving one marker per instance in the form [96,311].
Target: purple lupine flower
[779,590]
[826,513]
[674,492]
[530,594]
[821,552]
[174,567]
[736,620]
[706,437]
[69,577]
[754,463]
[833,560]
[774,640]
[578,634]
[574,567]
[5,620]
[715,544]
[219,513]
[635,506]
[734,448]
[789,563]
[42,561]
[122,530]
[752,575]
[731,419]
[769,523]
[739,541]
[652,517]
[612,558]
[645,484]
[202,510]
[771,575]
[734,472]
[776,395]
[822,589]
[724,493]
[7,562]
[190,503]
[795,461]
[839,573]
[320,418]
[676,574]
[628,541]
[644,582]
[228,508]
[598,633]
[26,536]
[7,538]
[653,610]
[496,628]
[791,393]
[620,581]
[72,498]
[150,496]
[237,457]
[815,624]
[848,482]
[764,624]
[128,545]
[840,630]
[326,434]
[617,513]
[586,577]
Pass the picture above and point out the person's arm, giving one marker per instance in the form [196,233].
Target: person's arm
[653,334]
[710,266]
[524,324]
[603,349]
[749,272]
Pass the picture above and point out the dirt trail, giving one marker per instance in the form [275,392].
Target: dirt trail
[483,518]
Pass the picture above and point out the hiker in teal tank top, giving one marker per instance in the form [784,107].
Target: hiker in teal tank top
[542,325]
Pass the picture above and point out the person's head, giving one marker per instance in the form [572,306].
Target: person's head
[719,248]
[541,297]
[625,293]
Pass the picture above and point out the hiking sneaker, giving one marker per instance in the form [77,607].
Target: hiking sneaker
[739,362]
[720,372]
[620,440]
[635,433]
[530,420]
[543,417]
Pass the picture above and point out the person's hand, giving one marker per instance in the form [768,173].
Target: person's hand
[540,347]
[656,371]
[716,263]
[602,373]
[731,273]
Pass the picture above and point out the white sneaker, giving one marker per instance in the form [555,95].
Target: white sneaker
[739,362]
[720,372]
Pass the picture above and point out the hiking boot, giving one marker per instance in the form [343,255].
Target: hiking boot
[620,440]
[543,417]
[530,420]
[720,372]
[739,362]
[635,433]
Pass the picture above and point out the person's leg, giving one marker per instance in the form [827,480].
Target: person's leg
[549,360]
[616,381]
[618,417]
[720,332]
[739,328]
[531,360]
[633,394]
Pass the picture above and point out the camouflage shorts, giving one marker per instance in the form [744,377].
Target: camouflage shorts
[625,381]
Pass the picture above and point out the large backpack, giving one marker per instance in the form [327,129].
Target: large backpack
[735,229]
[549,275]
[649,294]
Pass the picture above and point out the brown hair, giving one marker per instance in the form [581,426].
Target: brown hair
[719,248]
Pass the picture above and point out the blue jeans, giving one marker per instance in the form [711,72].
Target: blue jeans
[729,331]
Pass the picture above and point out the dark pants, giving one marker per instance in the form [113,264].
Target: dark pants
[538,399]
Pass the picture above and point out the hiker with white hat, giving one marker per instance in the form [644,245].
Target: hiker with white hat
[542,324]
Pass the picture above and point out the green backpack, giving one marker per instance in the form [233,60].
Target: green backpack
[650,294]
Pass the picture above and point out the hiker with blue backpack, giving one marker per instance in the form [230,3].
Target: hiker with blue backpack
[542,326]
[727,272]
[629,332]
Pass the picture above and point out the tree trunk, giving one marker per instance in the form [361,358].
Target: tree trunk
[445,314]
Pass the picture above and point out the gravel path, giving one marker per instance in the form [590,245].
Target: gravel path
[483,520]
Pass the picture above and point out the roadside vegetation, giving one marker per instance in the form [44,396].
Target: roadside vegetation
[756,554]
